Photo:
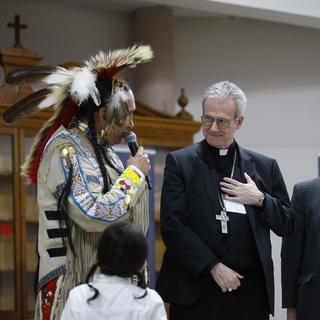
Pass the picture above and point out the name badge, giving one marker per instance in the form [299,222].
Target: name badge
[234,206]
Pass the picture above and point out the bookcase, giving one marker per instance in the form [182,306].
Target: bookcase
[18,226]
[7,243]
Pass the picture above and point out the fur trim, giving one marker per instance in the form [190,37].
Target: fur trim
[108,64]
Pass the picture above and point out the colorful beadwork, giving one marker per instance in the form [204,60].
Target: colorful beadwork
[128,182]
[103,208]
[117,85]
[53,274]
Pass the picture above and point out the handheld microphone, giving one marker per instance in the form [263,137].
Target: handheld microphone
[131,139]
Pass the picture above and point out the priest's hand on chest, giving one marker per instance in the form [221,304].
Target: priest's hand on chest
[246,193]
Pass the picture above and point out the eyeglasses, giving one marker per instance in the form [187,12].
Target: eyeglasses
[221,123]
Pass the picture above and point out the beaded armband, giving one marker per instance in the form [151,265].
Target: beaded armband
[129,183]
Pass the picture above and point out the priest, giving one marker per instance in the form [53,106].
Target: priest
[219,203]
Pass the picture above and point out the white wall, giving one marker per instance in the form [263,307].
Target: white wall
[61,33]
[296,12]
[278,67]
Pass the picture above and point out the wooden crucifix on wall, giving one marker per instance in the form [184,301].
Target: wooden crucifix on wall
[17,27]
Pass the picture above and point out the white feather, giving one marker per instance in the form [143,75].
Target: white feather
[58,77]
[83,86]
[47,102]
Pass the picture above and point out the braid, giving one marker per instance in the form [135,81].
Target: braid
[96,148]
[141,283]
[103,147]
[63,209]
[96,293]
[91,272]
[89,275]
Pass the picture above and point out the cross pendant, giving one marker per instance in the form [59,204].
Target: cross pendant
[223,217]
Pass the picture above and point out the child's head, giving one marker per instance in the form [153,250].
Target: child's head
[122,250]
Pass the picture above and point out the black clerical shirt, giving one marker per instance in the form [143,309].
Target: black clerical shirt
[237,248]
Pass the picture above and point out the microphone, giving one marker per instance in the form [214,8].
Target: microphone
[131,139]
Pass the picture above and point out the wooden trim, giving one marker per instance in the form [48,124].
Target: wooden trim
[165,132]
[17,222]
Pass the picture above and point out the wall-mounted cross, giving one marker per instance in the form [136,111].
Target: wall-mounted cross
[17,26]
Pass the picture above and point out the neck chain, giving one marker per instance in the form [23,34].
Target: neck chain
[234,164]
[223,217]
[231,176]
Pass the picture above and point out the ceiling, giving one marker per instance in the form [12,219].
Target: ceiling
[127,6]
[296,12]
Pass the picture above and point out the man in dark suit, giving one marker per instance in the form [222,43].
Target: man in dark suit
[219,202]
[300,255]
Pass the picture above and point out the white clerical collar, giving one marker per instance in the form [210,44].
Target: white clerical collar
[223,152]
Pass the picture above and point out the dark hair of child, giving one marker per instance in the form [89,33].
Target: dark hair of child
[122,251]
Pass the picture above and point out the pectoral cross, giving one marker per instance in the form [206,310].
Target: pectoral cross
[224,220]
[17,26]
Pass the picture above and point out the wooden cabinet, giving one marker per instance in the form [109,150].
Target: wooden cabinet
[8,280]
[29,230]
[18,224]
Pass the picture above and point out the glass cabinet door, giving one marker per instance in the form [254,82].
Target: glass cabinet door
[30,233]
[7,229]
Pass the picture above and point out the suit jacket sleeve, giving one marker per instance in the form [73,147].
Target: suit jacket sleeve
[292,254]
[277,212]
[182,243]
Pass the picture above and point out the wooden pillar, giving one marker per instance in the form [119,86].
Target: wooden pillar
[155,81]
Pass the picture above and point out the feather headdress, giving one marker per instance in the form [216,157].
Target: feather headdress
[66,90]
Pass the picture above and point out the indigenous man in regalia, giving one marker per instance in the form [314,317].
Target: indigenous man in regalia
[82,185]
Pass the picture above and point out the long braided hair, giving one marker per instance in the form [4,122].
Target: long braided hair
[122,251]
[117,110]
